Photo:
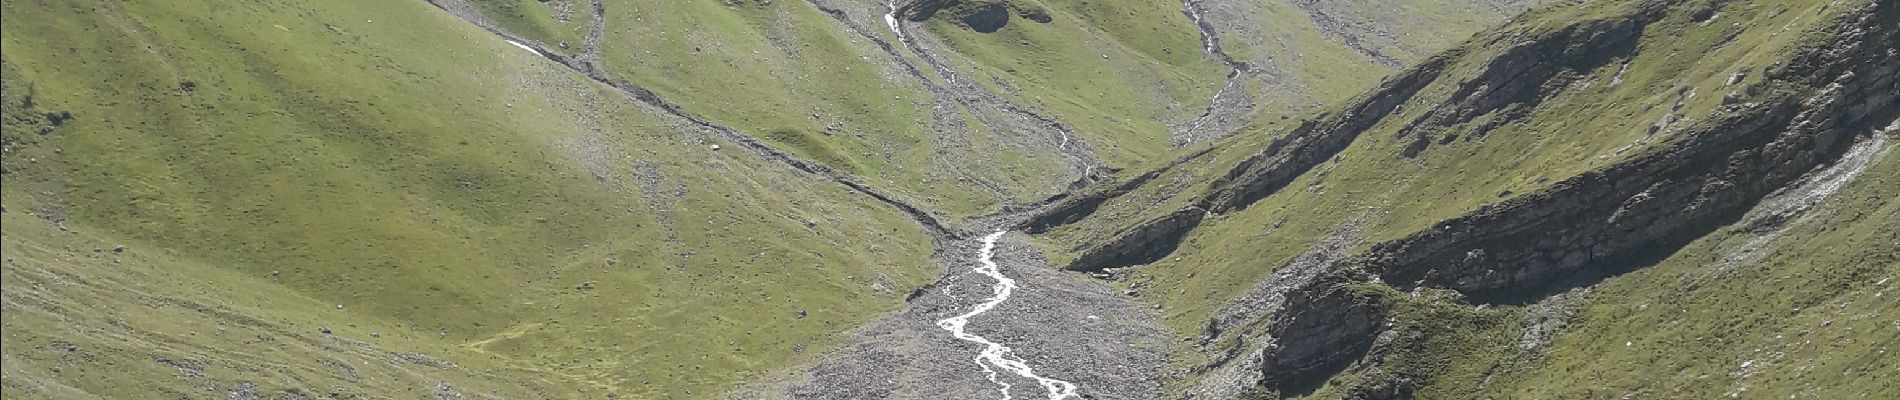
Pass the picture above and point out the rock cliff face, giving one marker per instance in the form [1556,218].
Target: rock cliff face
[1324,326]
[1286,157]
[1522,76]
[1608,221]
[1510,86]
[986,16]
[1283,159]
[1806,111]
[1147,242]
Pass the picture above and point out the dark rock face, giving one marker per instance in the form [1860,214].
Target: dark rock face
[1251,180]
[1147,242]
[1286,157]
[1513,82]
[1607,222]
[1524,75]
[988,18]
[1326,325]
[1599,223]
[1807,113]
[985,16]
[1075,208]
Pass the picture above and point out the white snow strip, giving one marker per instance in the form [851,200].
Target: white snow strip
[995,354]
[524,47]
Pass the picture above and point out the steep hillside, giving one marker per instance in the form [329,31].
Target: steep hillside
[545,198]
[1124,72]
[965,106]
[1490,176]
[375,198]
[949,199]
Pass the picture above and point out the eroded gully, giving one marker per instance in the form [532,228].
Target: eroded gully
[996,355]
[992,355]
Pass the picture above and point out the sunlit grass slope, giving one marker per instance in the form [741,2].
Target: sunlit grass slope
[383,167]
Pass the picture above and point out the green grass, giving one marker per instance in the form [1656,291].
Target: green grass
[85,322]
[267,161]
[1383,195]
[770,67]
[1812,318]
[1810,315]
[1116,71]
[446,188]
[550,22]
[1306,70]
[1119,72]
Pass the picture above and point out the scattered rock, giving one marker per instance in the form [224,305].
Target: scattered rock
[444,392]
[245,390]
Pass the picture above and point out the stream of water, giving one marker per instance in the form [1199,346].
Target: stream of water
[995,355]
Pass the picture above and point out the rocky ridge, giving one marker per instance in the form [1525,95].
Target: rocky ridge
[1528,248]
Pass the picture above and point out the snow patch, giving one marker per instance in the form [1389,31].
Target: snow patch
[525,47]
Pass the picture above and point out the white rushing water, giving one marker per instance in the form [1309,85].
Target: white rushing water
[1207,36]
[890,19]
[996,355]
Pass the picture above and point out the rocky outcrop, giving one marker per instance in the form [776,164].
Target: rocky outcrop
[1603,222]
[1063,211]
[986,16]
[1612,220]
[987,19]
[1324,326]
[1154,239]
[1253,178]
[1524,75]
[1288,156]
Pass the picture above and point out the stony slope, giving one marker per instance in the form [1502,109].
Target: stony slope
[962,119]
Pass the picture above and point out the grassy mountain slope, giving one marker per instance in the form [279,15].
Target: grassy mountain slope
[828,81]
[268,162]
[1804,310]
[1561,92]
[1120,71]
[1384,194]
[1313,55]
[791,75]
[1128,73]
